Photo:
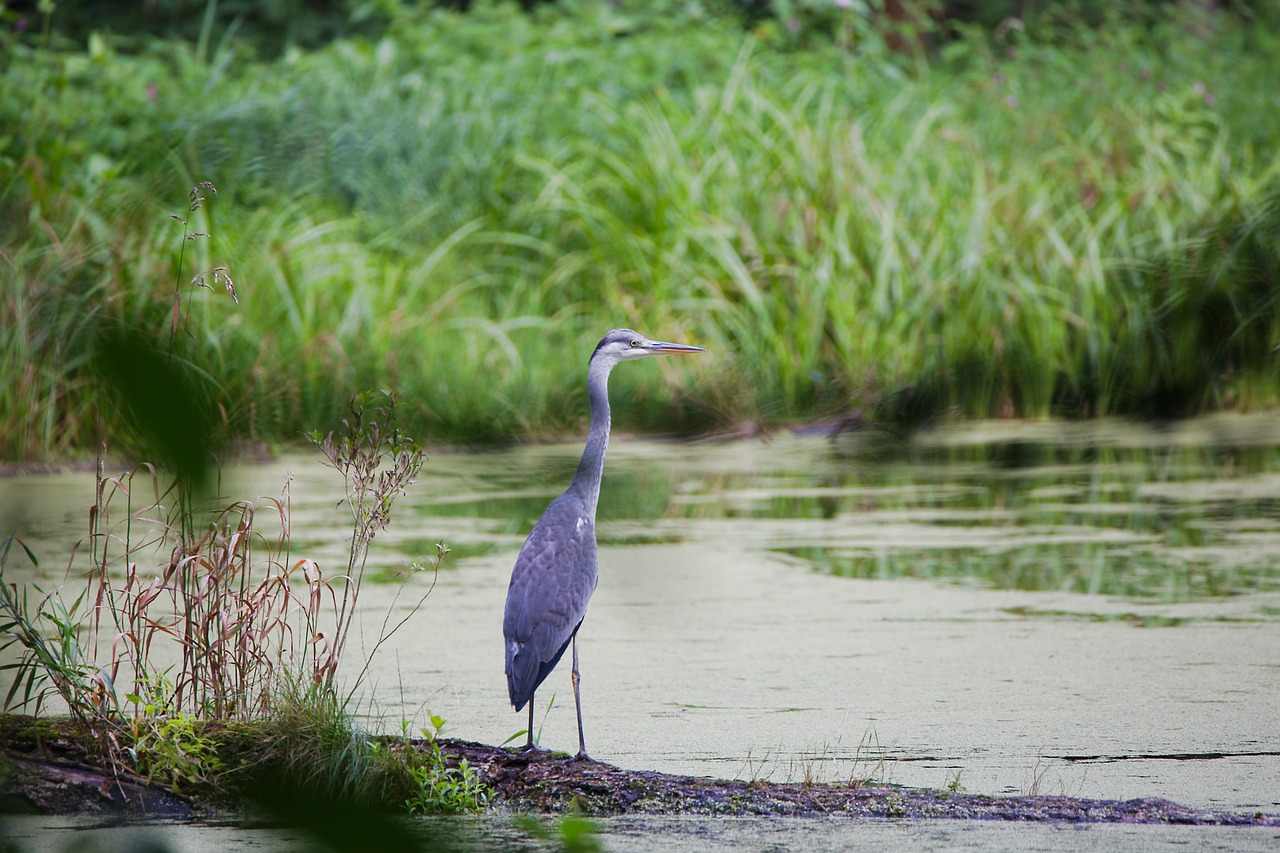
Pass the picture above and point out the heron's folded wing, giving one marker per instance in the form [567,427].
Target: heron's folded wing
[551,584]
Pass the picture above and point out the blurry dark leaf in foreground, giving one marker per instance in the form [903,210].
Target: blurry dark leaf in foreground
[341,823]
[165,410]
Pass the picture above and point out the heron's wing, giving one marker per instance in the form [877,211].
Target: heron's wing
[551,584]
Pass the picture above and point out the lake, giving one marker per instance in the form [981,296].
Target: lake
[1089,609]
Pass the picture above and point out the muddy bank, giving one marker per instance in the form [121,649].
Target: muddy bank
[56,776]
[551,782]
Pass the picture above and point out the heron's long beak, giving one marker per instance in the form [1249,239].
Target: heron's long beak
[664,348]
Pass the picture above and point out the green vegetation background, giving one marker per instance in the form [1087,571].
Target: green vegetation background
[1040,217]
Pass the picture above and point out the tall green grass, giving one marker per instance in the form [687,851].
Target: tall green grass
[1025,224]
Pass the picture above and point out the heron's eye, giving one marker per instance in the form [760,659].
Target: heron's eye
[635,343]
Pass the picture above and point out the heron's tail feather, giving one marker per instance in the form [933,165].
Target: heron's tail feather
[525,672]
[522,676]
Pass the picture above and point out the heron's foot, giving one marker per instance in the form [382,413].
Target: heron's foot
[581,756]
[532,748]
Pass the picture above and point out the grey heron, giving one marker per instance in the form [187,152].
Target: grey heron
[555,573]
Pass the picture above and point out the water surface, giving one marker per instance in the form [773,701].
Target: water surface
[1054,608]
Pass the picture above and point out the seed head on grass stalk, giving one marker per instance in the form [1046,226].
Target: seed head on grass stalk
[377,463]
[218,274]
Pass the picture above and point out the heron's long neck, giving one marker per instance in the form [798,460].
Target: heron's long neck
[591,468]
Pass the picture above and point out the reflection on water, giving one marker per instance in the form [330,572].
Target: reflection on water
[1169,522]
[1119,510]
[1113,509]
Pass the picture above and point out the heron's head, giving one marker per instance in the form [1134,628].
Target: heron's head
[626,344]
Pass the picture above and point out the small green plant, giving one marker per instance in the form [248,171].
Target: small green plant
[53,659]
[439,787]
[173,750]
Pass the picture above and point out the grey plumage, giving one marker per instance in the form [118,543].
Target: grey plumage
[555,573]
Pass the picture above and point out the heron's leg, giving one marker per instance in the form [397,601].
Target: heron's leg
[529,745]
[577,700]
